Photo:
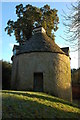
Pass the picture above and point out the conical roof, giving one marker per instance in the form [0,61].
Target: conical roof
[40,42]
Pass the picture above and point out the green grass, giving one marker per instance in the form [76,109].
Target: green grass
[22,104]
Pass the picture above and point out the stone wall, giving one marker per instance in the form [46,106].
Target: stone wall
[55,68]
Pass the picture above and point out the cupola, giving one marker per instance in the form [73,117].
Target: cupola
[39,29]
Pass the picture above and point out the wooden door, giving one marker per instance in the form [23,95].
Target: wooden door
[38,82]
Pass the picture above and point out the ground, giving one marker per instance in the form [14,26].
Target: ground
[24,104]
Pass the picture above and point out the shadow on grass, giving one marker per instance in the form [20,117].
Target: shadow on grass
[20,109]
[49,98]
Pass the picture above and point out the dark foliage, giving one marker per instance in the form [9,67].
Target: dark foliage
[6,74]
[75,75]
[73,70]
[29,17]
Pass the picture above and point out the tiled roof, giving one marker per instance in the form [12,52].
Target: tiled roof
[40,42]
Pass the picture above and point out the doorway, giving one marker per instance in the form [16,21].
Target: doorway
[38,82]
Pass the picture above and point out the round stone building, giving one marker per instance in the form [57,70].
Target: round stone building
[39,64]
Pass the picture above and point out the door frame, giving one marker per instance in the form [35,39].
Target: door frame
[34,81]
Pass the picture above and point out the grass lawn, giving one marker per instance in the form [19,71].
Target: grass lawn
[24,104]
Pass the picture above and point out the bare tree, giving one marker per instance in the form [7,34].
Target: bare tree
[71,21]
